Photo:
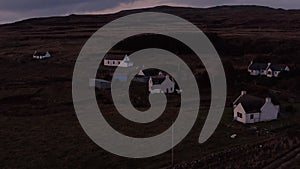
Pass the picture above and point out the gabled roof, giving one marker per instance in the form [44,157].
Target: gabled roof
[253,104]
[114,56]
[40,53]
[258,66]
[277,67]
[151,72]
[157,80]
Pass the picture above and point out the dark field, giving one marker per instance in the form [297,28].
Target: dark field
[39,127]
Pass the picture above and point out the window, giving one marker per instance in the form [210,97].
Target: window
[251,116]
[240,115]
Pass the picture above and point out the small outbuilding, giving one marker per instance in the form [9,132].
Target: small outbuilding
[41,55]
[117,60]
[275,70]
[161,83]
[256,69]
[267,69]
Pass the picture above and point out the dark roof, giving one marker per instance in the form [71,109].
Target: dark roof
[39,53]
[278,67]
[151,72]
[258,66]
[253,104]
[158,79]
[114,56]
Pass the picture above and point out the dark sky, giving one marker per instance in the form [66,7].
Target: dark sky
[14,10]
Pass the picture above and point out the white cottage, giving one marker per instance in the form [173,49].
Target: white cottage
[161,84]
[256,69]
[117,60]
[275,70]
[41,55]
[267,69]
[252,109]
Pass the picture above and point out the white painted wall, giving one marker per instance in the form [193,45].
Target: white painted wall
[254,72]
[239,108]
[47,55]
[276,73]
[108,62]
[263,72]
[269,111]
[121,63]
[167,86]
[256,117]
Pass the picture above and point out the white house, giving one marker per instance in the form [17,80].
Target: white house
[161,84]
[275,70]
[266,69]
[256,69]
[252,109]
[41,55]
[117,60]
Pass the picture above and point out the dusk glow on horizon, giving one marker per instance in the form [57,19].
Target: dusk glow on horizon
[11,11]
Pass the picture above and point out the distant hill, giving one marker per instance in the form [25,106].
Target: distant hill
[234,30]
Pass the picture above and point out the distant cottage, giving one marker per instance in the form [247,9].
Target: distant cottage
[144,75]
[275,70]
[158,81]
[41,55]
[266,69]
[252,109]
[117,60]
[161,84]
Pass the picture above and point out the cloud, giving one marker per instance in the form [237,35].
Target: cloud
[140,4]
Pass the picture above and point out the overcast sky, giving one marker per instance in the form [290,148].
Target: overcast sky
[14,10]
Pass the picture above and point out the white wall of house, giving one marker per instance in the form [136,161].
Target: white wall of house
[269,111]
[121,63]
[239,109]
[276,73]
[167,86]
[254,72]
[287,68]
[252,117]
[47,55]
[263,72]
[108,62]
[269,73]
[125,64]
[246,118]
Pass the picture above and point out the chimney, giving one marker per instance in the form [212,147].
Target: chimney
[243,92]
[268,99]
[269,64]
